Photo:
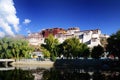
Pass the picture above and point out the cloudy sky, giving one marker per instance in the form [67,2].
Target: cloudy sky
[23,16]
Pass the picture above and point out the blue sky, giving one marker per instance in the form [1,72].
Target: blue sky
[85,14]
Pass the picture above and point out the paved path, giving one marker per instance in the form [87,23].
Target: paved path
[33,64]
[8,60]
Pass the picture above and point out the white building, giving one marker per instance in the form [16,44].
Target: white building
[89,37]
[35,38]
[66,35]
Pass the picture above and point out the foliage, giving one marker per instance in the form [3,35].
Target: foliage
[53,58]
[113,46]
[73,48]
[69,48]
[51,45]
[14,48]
[84,50]
[97,52]
[46,53]
[103,42]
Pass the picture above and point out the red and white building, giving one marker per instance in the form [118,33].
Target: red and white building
[89,37]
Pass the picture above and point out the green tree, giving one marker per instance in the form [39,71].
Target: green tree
[14,48]
[70,47]
[46,53]
[84,50]
[113,46]
[73,47]
[97,52]
[51,45]
[60,50]
[4,51]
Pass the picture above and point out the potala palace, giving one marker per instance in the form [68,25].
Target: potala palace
[90,37]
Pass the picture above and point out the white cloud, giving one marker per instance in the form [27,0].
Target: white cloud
[9,22]
[27,21]
[6,28]
[2,34]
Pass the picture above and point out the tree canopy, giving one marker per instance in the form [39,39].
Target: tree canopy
[113,46]
[51,45]
[73,48]
[97,52]
[14,48]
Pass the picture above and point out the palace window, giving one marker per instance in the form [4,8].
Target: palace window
[94,39]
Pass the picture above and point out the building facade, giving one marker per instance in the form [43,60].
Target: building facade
[90,37]
[35,38]
[52,31]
